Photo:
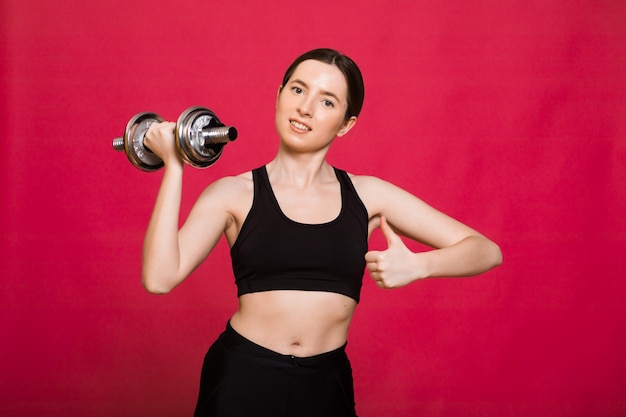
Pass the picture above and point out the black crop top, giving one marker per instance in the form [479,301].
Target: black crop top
[273,252]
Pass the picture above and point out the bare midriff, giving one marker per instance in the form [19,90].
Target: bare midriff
[297,323]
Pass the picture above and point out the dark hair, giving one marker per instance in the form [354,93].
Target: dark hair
[349,69]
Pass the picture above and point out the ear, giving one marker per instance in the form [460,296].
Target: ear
[280,89]
[347,125]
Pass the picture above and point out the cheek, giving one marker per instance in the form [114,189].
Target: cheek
[283,103]
[335,122]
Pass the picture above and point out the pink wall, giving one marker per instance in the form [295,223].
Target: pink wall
[509,115]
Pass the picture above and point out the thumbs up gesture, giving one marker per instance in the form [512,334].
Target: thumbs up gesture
[396,266]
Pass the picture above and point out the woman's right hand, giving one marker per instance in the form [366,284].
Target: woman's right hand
[160,140]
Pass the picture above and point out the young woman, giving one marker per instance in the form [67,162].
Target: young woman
[298,230]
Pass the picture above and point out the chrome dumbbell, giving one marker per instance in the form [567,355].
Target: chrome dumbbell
[200,139]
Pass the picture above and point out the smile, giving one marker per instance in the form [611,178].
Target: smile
[299,125]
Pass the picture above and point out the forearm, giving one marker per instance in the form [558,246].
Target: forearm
[470,256]
[161,252]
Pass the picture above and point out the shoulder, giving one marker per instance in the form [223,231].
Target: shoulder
[374,192]
[229,189]
[367,184]
[233,182]
[381,196]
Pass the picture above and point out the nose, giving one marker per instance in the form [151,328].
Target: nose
[305,107]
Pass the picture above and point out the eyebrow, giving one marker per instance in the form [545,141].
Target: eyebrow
[326,93]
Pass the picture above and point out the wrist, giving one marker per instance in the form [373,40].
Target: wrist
[424,264]
[174,164]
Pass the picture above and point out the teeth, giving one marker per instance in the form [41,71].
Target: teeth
[299,125]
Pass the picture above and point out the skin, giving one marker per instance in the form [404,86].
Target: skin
[310,115]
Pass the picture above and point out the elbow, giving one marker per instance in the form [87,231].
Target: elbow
[155,290]
[154,286]
[488,255]
[495,254]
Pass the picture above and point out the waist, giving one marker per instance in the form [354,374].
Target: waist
[236,343]
[298,323]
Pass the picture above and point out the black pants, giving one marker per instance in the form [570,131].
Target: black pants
[242,379]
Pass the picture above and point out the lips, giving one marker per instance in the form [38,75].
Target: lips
[300,126]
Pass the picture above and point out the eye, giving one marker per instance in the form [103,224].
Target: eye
[328,103]
[297,90]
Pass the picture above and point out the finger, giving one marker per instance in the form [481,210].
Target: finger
[381,284]
[372,266]
[372,256]
[388,232]
[166,127]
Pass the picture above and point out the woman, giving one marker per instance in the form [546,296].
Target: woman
[298,231]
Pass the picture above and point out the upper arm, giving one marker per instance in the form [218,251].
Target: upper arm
[215,211]
[408,215]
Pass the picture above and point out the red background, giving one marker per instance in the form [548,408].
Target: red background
[509,115]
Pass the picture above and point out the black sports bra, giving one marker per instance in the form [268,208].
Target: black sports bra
[273,252]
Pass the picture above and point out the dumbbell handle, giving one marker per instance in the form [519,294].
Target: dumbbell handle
[118,144]
[215,135]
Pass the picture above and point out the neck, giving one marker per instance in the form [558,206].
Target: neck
[300,172]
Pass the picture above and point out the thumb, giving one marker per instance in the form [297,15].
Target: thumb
[391,236]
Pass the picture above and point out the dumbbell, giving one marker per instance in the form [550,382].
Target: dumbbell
[200,139]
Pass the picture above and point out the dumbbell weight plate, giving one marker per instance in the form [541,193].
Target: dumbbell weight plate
[138,154]
[190,138]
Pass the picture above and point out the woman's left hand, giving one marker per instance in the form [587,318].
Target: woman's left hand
[396,266]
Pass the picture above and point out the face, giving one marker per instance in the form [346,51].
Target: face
[311,107]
